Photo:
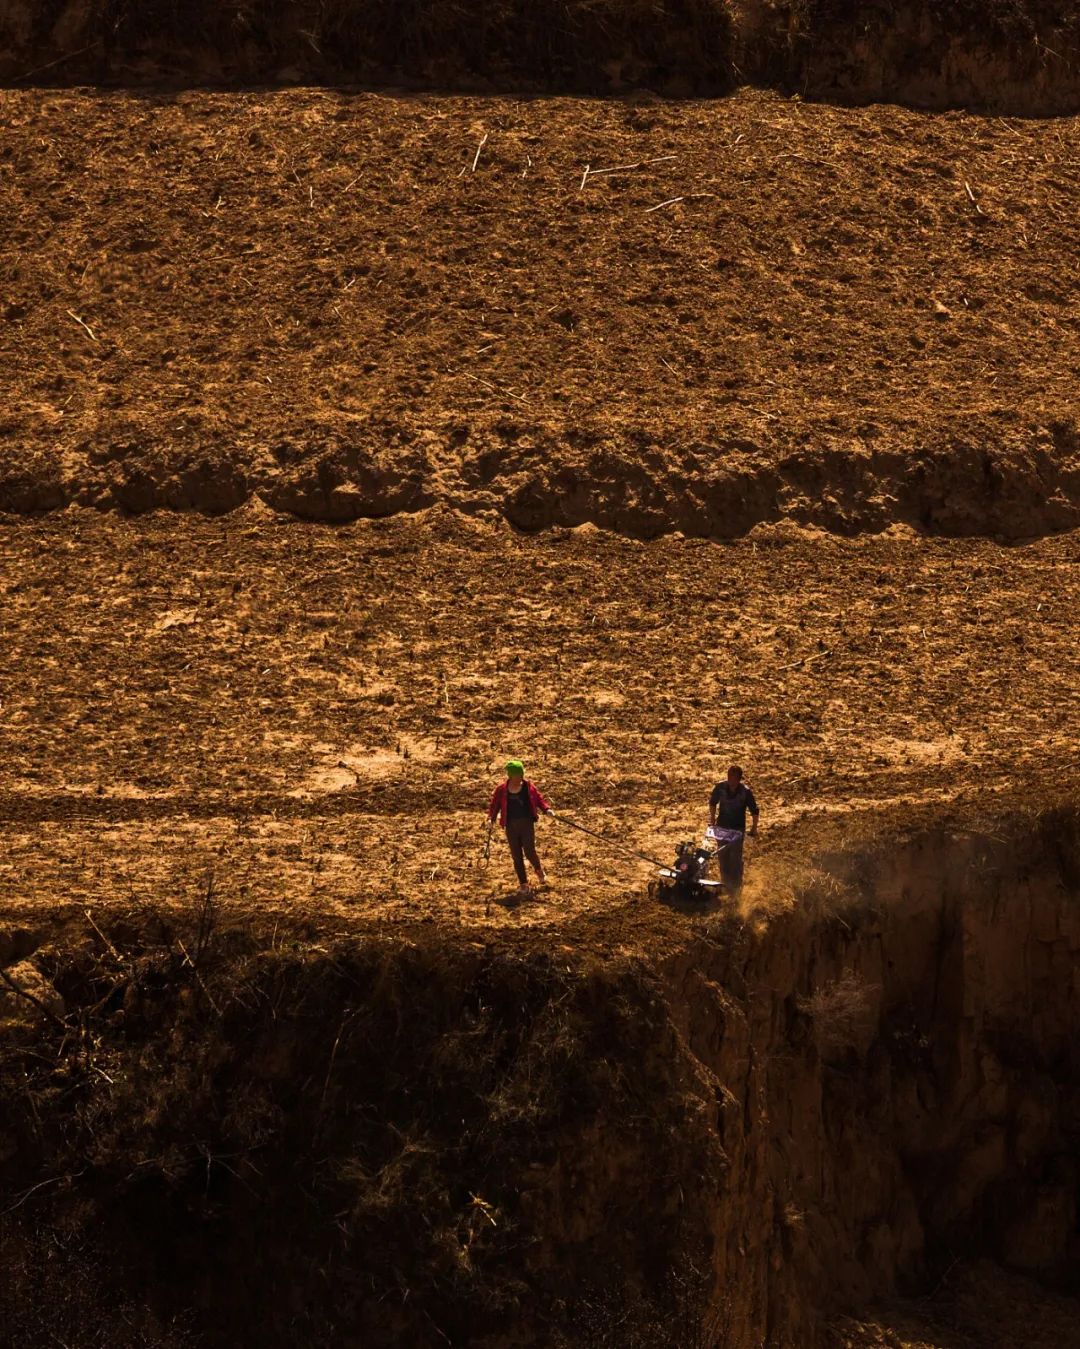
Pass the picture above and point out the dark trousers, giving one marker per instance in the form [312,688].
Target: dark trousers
[521,835]
[731,865]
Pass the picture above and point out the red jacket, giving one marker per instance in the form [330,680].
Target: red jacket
[498,803]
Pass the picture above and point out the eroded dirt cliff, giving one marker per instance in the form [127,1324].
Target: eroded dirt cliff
[726,1138]
[895,1079]
[1014,56]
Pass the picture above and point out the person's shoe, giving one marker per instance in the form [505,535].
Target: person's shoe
[524,890]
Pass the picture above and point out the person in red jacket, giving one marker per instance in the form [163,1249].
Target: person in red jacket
[517,804]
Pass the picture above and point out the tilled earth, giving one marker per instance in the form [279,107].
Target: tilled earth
[317,715]
[351,305]
[647,315]
[794,357]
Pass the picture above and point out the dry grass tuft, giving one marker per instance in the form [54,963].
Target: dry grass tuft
[845,1016]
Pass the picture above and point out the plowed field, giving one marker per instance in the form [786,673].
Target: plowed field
[352,443]
[318,714]
[348,305]
[646,315]
[355,305]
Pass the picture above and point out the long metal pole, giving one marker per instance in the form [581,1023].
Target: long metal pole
[652,861]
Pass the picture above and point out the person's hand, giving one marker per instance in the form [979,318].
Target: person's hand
[753,830]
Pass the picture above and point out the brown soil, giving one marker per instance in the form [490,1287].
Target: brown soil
[320,714]
[1001,55]
[838,371]
[313,716]
[976,1306]
[847,318]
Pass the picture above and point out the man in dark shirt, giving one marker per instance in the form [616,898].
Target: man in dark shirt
[728,807]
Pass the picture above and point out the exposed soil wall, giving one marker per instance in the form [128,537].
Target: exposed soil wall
[569,44]
[999,55]
[896,1082]
[960,491]
[1016,57]
[239,1141]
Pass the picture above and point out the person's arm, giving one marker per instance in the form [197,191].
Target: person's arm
[539,802]
[493,809]
[712,804]
[752,807]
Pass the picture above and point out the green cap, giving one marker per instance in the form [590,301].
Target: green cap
[515,768]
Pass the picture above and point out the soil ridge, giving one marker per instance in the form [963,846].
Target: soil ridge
[961,490]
